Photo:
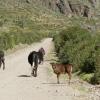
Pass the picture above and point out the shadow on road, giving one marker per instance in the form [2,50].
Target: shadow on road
[55,84]
[24,76]
[52,60]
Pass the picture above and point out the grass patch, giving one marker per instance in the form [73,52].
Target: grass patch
[86,77]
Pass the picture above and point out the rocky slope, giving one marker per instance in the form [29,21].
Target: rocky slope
[67,7]
[51,13]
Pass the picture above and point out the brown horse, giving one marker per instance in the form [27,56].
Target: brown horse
[41,53]
[62,69]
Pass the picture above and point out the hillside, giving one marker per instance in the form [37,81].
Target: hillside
[20,17]
[47,14]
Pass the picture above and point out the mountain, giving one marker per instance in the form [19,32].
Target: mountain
[79,7]
[53,10]
[24,22]
[48,15]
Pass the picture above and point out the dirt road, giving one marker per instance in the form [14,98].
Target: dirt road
[16,82]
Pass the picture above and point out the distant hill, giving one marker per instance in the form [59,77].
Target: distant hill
[45,17]
[48,12]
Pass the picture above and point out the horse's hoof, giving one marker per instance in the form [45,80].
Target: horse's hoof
[58,82]
[35,75]
[32,74]
[3,68]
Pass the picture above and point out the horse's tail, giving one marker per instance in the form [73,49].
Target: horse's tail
[30,59]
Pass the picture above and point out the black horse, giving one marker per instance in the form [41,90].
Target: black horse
[36,58]
[2,59]
[33,57]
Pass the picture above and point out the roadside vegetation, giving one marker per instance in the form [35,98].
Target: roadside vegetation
[26,25]
[81,48]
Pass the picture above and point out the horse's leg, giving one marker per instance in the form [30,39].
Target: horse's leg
[0,63]
[42,60]
[69,74]
[35,71]
[39,61]
[58,78]
[36,64]
[32,69]
[3,64]
[32,73]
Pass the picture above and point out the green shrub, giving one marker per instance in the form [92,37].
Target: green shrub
[73,46]
[96,78]
[12,38]
[77,46]
[86,77]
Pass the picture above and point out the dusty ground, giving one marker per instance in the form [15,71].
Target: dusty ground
[16,83]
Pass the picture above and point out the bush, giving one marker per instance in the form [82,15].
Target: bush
[86,77]
[12,38]
[73,46]
[77,46]
[96,78]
